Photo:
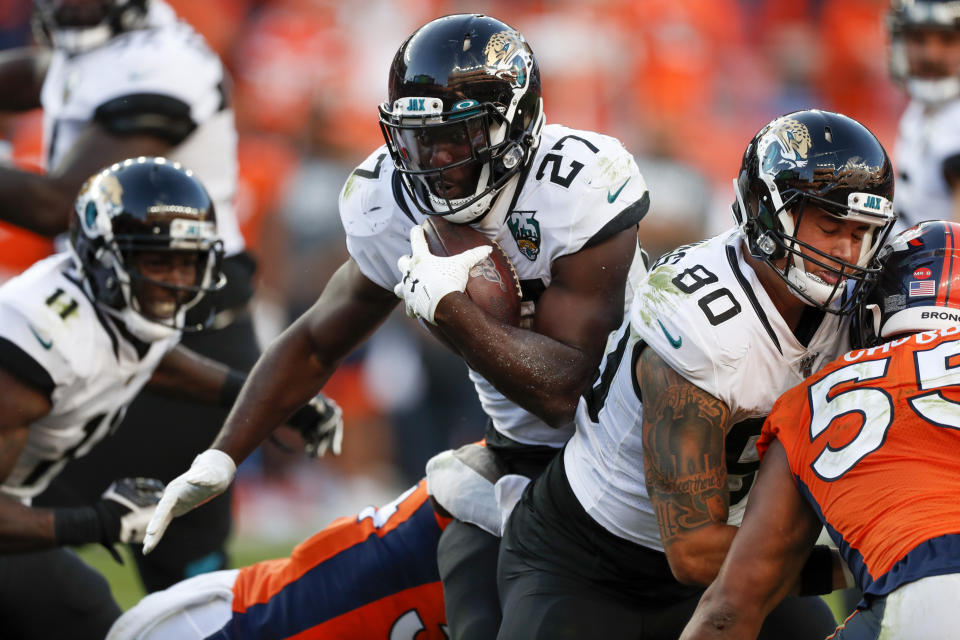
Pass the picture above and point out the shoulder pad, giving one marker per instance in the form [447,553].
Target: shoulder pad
[683,326]
[593,169]
[367,201]
[171,61]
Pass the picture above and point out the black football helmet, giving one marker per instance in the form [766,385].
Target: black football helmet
[833,162]
[144,205]
[918,288]
[76,26]
[464,113]
[922,14]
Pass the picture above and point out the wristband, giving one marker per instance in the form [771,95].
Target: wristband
[816,577]
[76,525]
[231,387]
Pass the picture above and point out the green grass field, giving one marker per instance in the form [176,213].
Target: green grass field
[125,583]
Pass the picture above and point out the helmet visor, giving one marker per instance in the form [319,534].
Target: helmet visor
[446,156]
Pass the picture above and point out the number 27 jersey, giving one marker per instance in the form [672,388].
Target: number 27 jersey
[582,188]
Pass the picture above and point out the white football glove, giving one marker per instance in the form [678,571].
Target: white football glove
[210,474]
[320,422]
[426,278]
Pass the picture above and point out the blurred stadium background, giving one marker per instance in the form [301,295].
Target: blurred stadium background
[683,83]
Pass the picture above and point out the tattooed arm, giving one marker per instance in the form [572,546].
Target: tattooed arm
[683,452]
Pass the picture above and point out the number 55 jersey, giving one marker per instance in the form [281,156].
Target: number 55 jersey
[873,442]
[705,313]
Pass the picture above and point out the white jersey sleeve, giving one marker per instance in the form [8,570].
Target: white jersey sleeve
[926,140]
[582,188]
[39,329]
[148,63]
[377,219]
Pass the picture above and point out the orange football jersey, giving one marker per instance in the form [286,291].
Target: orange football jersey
[373,575]
[873,441]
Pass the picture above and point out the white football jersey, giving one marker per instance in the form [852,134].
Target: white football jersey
[924,141]
[169,59]
[705,313]
[581,187]
[53,336]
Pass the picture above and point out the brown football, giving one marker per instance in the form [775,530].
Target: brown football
[493,285]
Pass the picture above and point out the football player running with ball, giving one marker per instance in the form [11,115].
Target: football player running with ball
[625,528]
[466,140]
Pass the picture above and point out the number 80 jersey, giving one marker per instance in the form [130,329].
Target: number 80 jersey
[703,310]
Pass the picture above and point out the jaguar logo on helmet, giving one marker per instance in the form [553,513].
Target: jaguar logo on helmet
[786,145]
[507,53]
[111,191]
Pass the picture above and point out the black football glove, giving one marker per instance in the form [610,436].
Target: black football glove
[121,515]
[320,422]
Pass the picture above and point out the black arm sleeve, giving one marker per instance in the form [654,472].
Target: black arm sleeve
[22,366]
[147,113]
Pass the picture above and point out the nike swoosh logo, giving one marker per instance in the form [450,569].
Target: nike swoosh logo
[674,342]
[613,196]
[46,344]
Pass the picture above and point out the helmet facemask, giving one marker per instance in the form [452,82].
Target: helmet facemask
[111,240]
[76,27]
[464,116]
[482,155]
[147,268]
[823,160]
[780,241]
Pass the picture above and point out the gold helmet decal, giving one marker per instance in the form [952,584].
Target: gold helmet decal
[111,190]
[794,138]
[785,145]
[508,54]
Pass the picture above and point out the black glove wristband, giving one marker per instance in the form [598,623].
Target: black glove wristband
[76,525]
[302,418]
[816,577]
[231,387]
